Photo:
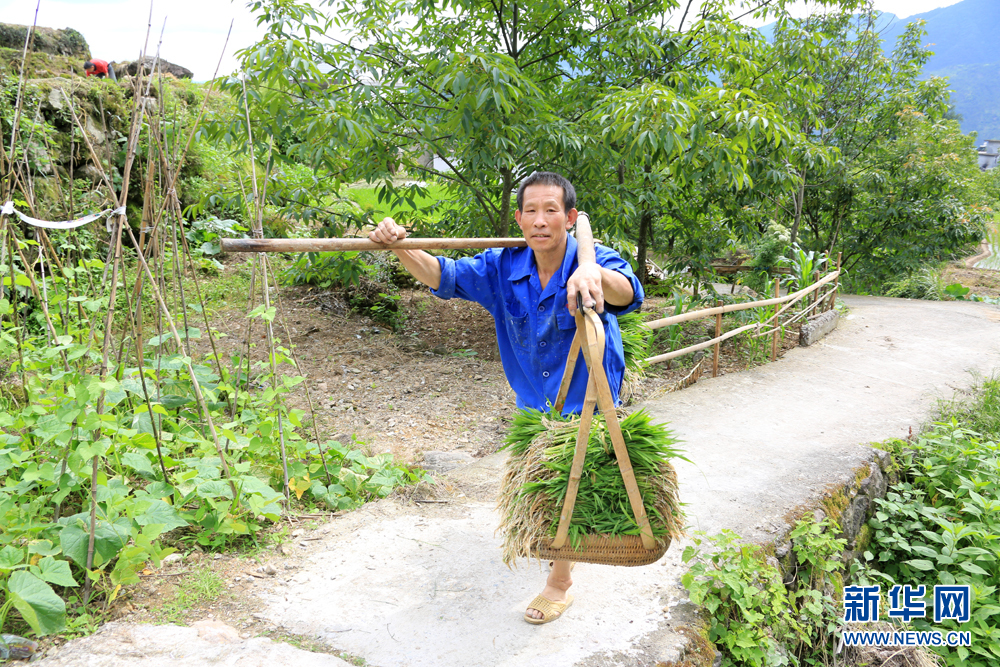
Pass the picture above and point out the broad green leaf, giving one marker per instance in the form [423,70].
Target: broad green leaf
[74,539]
[10,557]
[40,607]
[55,572]
[160,512]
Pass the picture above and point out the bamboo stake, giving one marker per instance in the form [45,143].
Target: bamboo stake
[718,332]
[774,338]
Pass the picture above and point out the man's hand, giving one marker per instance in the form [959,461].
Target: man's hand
[387,232]
[588,281]
[421,265]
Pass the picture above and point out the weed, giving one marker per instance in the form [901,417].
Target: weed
[199,588]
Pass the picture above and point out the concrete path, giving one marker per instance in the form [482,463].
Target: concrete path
[421,585]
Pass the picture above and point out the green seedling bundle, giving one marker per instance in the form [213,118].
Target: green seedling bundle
[534,486]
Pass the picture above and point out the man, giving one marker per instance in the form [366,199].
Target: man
[531,293]
[99,68]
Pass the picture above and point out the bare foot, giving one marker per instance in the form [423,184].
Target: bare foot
[556,587]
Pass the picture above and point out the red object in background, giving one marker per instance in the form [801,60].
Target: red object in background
[100,67]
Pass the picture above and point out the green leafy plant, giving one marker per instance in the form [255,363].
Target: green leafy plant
[939,525]
[755,618]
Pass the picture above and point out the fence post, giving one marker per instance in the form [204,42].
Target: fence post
[836,283]
[774,336]
[718,332]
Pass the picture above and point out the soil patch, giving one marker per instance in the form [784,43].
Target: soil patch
[983,282]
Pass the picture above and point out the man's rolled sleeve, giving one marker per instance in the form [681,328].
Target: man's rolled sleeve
[468,278]
[446,290]
[609,259]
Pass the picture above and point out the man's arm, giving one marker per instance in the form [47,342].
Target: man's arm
[598,285]
[421,265]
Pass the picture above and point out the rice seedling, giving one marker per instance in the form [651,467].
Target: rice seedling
[537,476]
[636,342]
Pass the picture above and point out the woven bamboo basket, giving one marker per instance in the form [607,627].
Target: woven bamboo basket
[626,550]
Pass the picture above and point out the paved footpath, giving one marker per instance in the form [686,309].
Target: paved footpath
[422,585]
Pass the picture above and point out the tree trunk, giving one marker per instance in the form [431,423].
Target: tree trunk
[501,223]
[799,200]
[645,238]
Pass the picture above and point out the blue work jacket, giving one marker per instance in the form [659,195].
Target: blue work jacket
[534,327]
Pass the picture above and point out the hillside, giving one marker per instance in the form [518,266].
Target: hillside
[963,39]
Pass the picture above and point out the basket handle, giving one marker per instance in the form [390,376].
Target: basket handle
[592,329]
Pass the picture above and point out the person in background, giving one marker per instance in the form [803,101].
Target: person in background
[99,68]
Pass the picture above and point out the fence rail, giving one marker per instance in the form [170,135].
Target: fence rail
[824,301]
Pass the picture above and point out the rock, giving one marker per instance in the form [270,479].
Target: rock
[440,462]
[65,42]
[91,171]
[94,131]
[207,644]
[149,64]
[818,326]
[172,558]
[298,532]
[269,570]
[216,632]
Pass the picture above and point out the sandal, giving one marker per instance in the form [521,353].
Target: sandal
[550,610]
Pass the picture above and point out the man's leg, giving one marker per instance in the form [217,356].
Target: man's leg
[556,586]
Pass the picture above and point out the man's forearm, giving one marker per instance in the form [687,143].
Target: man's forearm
[423,266]
[617,288]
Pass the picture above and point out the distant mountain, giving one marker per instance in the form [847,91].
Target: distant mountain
[964,39]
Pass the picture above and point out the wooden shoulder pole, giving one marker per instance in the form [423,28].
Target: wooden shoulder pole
[335,245]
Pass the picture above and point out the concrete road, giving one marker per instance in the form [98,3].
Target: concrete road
[404,585]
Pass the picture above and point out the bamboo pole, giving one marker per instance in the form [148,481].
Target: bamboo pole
[700,346]
[732,308]
[718,332]
[774,338]
[336,245]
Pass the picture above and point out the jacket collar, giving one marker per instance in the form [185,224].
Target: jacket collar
[522,263]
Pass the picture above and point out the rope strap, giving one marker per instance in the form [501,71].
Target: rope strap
[8,209]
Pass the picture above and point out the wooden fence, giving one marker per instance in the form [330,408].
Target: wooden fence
[820,301]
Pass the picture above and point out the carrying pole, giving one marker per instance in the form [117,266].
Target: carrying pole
[348,245]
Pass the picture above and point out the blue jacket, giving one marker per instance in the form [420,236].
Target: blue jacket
[534,327]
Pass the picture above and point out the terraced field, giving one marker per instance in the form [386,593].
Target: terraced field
[993,239]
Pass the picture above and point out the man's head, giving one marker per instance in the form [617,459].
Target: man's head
[548,178]
[546,212]
[87,66]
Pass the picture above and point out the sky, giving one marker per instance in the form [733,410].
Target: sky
[195,30]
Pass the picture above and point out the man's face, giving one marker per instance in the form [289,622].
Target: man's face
[543,219]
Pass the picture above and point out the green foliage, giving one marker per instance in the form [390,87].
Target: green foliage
[804,264]
[602,505]
[754,618]
[923,283]
[141,434]
[939,524]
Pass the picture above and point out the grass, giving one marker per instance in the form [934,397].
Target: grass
[981,413]
[199,588]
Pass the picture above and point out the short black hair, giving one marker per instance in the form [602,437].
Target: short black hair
[88,65]
[548,178]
